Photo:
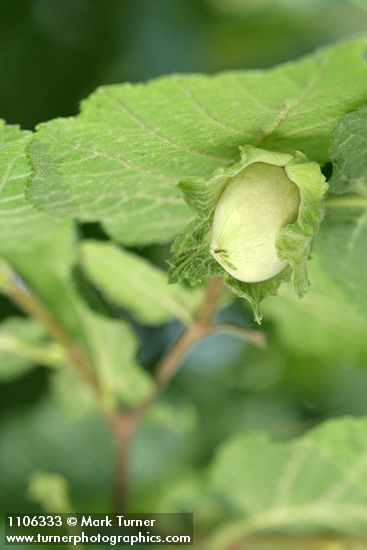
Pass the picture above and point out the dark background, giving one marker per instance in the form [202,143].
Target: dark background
[55,52]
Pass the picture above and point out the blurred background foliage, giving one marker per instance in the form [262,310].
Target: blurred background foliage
[54,53]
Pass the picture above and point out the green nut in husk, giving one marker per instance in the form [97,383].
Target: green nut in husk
[254,206]
[255,224]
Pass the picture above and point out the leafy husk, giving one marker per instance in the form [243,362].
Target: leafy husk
[191,260]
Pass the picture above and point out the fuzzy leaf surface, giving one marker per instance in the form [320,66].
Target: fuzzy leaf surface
[119,161]
[133,283]
[343,236]
[22,225]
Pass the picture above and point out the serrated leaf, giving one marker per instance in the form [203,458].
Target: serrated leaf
[348,153]
[30,241]
[343,236]
[192,259]
[133,283]
[314,482]
[23,344]
[22,226]
[120,159]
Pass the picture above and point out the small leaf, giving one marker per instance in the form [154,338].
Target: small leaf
[113,347]
[50,491]
[133,283]
[77,398]
[23,344]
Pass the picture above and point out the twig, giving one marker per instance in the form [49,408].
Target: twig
[194,333]
[121,481]
[190,336]
[28,303]
[255,337]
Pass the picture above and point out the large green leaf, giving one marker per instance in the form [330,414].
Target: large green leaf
[343,237]
[119,161]
[31,242]
[348,153]
[22,226]
[133,283]
[317,482]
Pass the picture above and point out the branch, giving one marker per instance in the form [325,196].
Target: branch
[200,329]
[23,298]
[194,333]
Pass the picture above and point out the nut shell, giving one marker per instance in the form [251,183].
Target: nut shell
[254,206]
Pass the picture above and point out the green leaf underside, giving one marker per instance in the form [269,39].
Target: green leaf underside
[22,226]
[348,153]
[133,283]
[315,327]
[191,258]
[119,161]
[317,481]
[343,236]
[113,345]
